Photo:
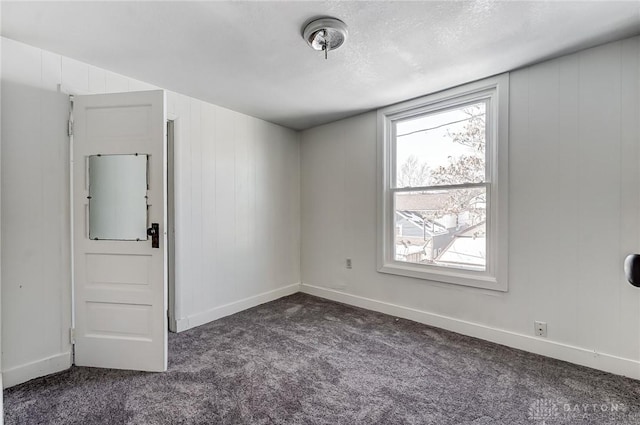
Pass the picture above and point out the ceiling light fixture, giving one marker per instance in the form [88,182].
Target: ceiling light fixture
[325,34]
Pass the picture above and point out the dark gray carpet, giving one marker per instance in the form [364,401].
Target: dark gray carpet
[303,360]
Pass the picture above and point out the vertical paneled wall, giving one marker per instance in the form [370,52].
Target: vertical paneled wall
[237,207]
[237,211]
[574,161]
[36,298]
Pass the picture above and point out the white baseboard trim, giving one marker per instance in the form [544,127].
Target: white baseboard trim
[173,325]
[545,347]
[1,403]
[23,373]
[228,309]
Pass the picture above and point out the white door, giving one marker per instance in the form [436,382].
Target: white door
[119,191]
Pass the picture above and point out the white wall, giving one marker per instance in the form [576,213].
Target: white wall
[574,216]
[36,309]
[237,207]
[237,211]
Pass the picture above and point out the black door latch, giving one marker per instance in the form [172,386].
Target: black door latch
[154,232]
[632,269]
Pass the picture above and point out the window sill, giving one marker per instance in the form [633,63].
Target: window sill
[454,276]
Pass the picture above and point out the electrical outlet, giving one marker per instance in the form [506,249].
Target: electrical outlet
[348,263]
[540,328]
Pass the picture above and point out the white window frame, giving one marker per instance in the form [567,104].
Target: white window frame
[495,92]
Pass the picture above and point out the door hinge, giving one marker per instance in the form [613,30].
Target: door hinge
[72,336]
[70,127]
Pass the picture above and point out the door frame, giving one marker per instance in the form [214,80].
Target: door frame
[172,125]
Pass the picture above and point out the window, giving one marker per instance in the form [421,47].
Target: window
[443,186]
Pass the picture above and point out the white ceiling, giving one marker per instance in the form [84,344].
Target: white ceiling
[250,56]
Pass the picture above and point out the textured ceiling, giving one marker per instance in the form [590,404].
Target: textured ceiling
[250,57]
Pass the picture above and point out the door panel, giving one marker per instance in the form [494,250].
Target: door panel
[120,286]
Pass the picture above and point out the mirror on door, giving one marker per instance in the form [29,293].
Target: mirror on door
[118,197]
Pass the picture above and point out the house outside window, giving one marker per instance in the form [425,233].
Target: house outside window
[443,186]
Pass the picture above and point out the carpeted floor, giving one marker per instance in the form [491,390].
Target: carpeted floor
[304,360]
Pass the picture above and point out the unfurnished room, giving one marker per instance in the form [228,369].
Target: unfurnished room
[320,212]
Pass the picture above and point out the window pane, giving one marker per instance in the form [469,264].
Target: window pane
[441,228]
[442,148]
[118,197]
